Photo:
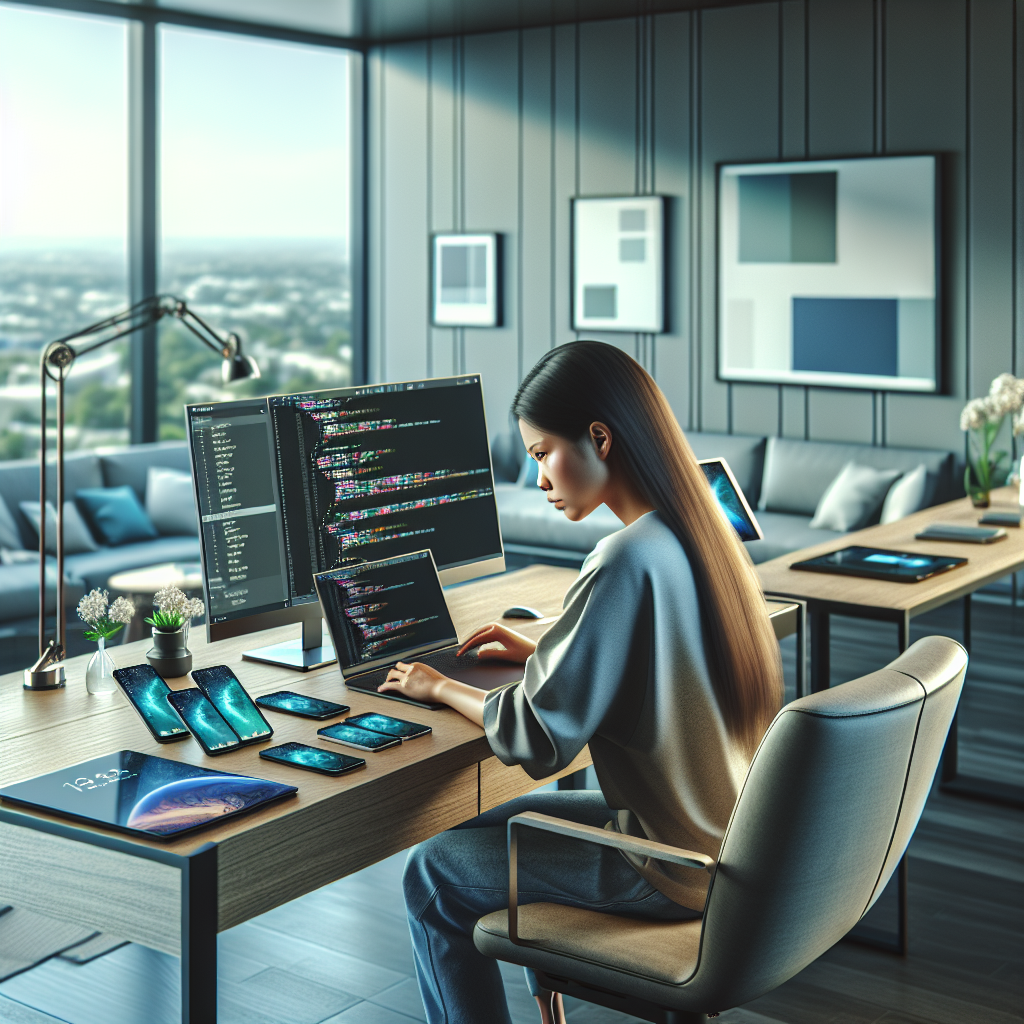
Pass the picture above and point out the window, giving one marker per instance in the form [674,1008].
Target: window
[254,178]
[63,218]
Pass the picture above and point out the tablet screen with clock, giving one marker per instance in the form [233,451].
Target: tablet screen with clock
[143,794]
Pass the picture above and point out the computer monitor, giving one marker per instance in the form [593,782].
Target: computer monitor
[290,485]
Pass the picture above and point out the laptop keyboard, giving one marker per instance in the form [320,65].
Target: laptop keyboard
[444,661]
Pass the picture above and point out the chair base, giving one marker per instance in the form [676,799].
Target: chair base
[614,1001]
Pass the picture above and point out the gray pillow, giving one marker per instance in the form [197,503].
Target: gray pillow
[170,502]
[77,537]
[9,535]
[853,499]
[18,556]
[911,493]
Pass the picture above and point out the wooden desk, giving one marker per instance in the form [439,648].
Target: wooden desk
[828,595]
[175,896]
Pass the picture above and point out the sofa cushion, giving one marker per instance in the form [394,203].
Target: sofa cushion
[116,515]
[796,473]
[19,590]
[19,481]
[10,536]
[96,567]
[77,537]
[745,456]
[784,533]
[854,499]
[130,465]
[912,492]
[171,503]
[527,518]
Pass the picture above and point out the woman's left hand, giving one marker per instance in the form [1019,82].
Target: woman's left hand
[415,680]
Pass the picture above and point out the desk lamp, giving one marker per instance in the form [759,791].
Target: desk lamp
[48,671]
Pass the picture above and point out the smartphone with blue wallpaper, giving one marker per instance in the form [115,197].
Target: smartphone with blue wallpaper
[228,696]
[312,759]
[215,736]
[147,693]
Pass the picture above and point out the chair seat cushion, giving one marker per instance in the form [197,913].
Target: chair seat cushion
[96,567]
[664,952]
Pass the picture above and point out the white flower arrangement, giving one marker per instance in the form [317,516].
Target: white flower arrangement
[984,418]
[174,609]
[106,619]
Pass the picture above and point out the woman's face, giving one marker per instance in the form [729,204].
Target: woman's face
[575,475]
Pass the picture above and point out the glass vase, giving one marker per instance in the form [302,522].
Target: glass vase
[979,494]
[99,674]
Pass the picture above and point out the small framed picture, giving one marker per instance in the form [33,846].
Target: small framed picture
[466,289]
[618,264]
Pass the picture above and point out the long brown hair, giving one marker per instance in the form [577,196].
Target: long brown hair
[584,382]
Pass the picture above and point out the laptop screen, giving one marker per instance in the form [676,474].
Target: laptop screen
[385,611]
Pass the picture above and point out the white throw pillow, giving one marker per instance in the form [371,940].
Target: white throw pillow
[910,493]
[77,538]
[171,502]
[853,499]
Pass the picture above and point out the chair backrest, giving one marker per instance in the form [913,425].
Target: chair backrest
[831,800]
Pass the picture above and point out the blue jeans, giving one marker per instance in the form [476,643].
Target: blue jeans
[458,876]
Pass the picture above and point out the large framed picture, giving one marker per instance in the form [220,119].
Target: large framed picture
[618,264]
[466,289]
[828,273]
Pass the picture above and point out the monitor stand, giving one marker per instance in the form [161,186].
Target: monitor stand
[312,651]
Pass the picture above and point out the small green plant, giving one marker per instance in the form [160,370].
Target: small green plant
[174,609]
[106,619]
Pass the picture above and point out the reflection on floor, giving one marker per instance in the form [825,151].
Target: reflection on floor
[342,955]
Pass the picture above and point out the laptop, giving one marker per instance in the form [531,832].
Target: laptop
[392,610]
[880,564]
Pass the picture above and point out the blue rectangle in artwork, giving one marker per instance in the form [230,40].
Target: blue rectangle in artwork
[846,336]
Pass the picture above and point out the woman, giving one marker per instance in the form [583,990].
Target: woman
[663,660]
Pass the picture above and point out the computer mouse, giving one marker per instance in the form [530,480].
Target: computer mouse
[521,611]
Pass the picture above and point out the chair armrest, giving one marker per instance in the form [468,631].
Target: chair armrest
[601,836]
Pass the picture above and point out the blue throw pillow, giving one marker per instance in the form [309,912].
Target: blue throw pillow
[116,514]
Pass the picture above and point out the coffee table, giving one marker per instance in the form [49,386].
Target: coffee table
[141,584]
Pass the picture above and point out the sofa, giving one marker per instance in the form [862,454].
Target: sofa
[86,569]
[784,481]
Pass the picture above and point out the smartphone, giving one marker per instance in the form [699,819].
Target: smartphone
[298,704]
[228,696]
[147,693]
[361,739]
[313,759]
[388,726]
[215,736]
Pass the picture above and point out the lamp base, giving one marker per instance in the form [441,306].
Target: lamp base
[50,678]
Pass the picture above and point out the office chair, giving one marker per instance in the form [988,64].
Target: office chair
[824,817]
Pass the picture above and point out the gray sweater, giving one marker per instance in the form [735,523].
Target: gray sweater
[624,670]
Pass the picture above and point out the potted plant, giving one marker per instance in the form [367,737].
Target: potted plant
[170,656]
[106,621]
[982,419]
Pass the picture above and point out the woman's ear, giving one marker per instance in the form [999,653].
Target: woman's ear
[601,436]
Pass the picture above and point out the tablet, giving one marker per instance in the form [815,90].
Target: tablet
[880,564]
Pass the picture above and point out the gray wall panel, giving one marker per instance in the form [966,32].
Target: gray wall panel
[491,202]
[672,126]
[500,131]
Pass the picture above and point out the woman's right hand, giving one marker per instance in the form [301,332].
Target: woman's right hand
[514,646]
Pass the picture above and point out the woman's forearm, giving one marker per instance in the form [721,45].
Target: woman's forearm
[465,699]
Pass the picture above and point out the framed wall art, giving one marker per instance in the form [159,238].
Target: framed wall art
[618,264]
[466,288]
[828,273]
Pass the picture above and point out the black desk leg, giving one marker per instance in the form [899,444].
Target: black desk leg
[199,937]
[821,665]
[971,786]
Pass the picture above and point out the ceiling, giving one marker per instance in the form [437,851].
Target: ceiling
[374,21]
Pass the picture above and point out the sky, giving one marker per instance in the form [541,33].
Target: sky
[253,134]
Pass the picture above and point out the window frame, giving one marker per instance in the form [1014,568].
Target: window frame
[143,174]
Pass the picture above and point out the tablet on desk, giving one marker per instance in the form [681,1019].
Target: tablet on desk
[145,795]
[880,564]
